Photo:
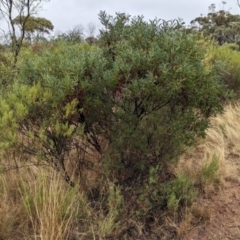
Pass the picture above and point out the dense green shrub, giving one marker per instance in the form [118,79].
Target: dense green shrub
[163,91]
[137,99]
[229,56]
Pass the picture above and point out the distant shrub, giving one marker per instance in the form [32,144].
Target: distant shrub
[229,56]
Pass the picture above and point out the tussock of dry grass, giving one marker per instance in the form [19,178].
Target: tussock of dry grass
[37,204]
[222,142]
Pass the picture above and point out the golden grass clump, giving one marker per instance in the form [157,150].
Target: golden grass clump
[37,204]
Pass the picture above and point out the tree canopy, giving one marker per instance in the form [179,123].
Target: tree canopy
[18,12]
[41,25]
[222,25]
[34,25]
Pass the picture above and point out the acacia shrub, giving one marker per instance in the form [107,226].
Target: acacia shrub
[153,98]
[162,91]
[145,90]
[39,110]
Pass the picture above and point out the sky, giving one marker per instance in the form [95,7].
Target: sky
[66,14]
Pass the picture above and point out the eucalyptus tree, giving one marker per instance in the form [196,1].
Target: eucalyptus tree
[35,27]
[222,25]
[22,10]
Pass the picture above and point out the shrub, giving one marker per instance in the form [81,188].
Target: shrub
[229,57]
[137,100]
[179,192]
[5,70]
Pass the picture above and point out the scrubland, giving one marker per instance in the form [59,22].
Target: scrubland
[36,203]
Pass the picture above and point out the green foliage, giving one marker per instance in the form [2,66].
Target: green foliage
[5,70]
[229,57]
[107,223]
[221,25]
[145,91]
[160,86]
[179,192]
[36,105]
[148,194]
[34,27]
[33,24]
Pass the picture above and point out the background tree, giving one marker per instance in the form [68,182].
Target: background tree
[91,29]
[222,25]
[75,35]
[35,27]
[91,39]
[21,10]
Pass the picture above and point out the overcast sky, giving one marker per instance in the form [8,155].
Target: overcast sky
[66,14]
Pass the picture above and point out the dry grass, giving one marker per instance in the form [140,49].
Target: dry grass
[37,204]
[13,222]
[52,209]
[218,194]
[222,145]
